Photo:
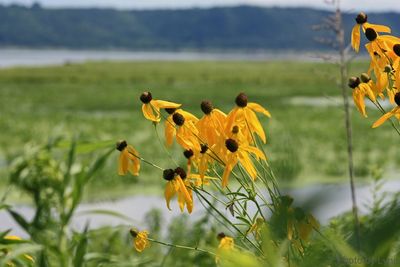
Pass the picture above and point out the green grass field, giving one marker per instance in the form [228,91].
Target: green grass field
[100,101]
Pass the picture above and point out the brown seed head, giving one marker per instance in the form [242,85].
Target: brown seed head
[206,106]
[241,100]
[168,174]
[354,82]
[221,235]
[146,97]
[396,49]
[188,153]
[121,144]
[203,148]
[397,98]
[134,232]
[231,145]
[371,34]
[365,78]
[361,18]
[235,129]
[178,119]
[181,172]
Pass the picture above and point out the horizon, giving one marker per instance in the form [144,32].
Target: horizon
[347,6]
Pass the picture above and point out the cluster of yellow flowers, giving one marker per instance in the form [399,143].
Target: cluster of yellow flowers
[215,138]
[384,50]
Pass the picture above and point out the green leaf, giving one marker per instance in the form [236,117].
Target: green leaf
[19,251]
[108,213]
[19,219]
[80,252]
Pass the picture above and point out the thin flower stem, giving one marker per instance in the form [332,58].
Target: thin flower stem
[163,146]
[181,247]
[227,220]
[146,161]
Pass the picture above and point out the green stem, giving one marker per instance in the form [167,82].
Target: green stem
[181,247]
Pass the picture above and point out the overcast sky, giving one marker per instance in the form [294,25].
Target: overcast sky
[350,5]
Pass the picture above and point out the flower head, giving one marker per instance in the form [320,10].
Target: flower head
[140,241]
[244,112]
[361,23]
[151,107]
[176,186]
[128,159]
[394,112]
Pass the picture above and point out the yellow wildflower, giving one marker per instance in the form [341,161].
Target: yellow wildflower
[362,23]
[176,185]
[245,112]
[360,90]
[235,153]
[211,125]
[394,112]
[128,159]
[226,245]
[170,126]
[186,132]
[140,241]
[151,107]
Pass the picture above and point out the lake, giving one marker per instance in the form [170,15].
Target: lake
[44,57]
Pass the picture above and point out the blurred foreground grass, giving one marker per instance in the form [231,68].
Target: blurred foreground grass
[99,101]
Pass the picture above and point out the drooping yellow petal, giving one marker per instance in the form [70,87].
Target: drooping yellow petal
[169,131]
[358,99]
[148,113]
[247,164]
[355,38]
[377,27]
[385,117]
[227,172]
[260,109]
[254,124]
[169,193]
[164,104]
[183,190]
[123,162]
[257,152]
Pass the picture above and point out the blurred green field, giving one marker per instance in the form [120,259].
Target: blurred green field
[100,101]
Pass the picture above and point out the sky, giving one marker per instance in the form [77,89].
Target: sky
[347,5]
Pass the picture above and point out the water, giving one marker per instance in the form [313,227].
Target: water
[327,201]
[45,57]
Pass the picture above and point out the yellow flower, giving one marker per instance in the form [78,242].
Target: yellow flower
[186,132]
[128,159]
[226,245]
[176,185]
[394,112]
[396,64]
[170,126]
[245,112]
[211,126]
[140,241]
[235,153]
[360,90]
[362,23]
[151,107]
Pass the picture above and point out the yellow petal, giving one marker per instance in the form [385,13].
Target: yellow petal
[258,108]
[355,37]
[169,192]
[255,125]
[164,104]
[247,164]
[377,27]
[183,190]
[169,131]
[259,154]
[225,176]
[148,113]
[385,117]
[123,162]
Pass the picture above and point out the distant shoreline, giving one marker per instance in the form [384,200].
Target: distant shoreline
[22,57]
